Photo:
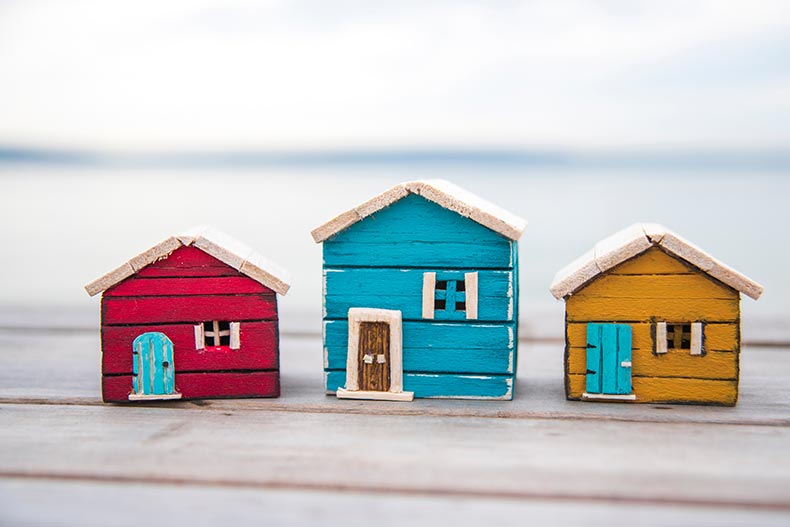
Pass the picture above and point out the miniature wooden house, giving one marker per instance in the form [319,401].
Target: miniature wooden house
[651,318]
[421,296]
[193,317]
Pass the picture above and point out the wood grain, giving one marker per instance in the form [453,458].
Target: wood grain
[671,390]
[583,309]
[191,309]
[374,344]
[220,285]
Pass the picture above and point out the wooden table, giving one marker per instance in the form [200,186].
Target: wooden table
[308,459]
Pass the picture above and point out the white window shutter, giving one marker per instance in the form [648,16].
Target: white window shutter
[661,337]
[428,295]
[235,337]
[199,337]
[696,338]
[470,282]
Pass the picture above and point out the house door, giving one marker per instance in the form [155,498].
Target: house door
[374,356]
[154,372]
[608,359]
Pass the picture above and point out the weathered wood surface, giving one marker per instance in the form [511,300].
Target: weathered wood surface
[67,458]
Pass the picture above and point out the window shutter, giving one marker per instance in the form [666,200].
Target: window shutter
[696,338]
[235,340]
[661,337]
[428,293]
[470,280]
[199,337]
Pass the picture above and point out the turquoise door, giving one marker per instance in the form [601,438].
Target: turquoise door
[154,373]
[609,358]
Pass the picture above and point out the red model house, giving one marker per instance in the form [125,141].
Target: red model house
[193,317]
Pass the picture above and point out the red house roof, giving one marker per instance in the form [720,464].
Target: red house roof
[211,241]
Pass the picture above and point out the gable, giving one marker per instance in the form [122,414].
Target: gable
[415,232]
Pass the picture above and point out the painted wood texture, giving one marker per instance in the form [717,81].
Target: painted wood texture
[675,390]
[433,348]
[153,368]
[258,351]
[402,289]
[219,285]
[413,233]
[654,287]
[374,356]
[213,385]
[447,385]
[195,308]
[608,361]
[188,261]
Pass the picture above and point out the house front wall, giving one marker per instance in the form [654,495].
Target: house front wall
[381,262]
[173,296]
[651,288]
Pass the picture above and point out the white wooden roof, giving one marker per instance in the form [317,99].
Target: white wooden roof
[635,240]
[211,241]
[439,191]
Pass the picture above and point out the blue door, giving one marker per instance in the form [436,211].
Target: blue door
[153,365]
[609,358]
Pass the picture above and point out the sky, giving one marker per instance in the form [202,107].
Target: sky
[302,74]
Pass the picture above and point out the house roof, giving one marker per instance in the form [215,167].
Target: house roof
[439,191]
[635,240]
[211,241]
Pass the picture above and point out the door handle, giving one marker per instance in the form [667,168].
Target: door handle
[625,364]
[380,358]
[368,359]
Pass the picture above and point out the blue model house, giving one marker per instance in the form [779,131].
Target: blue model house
[421,296]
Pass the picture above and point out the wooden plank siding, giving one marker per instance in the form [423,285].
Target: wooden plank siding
[431,347]
[446,385]
[655,286]
[187,261]
[379,262]
[259,341]
[194,308]
[398,289]
[415,233]
[203,385]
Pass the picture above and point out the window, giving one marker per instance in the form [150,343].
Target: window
[217,333]
[452,296]
[681,336]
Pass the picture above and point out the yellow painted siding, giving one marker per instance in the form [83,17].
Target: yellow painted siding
[671,390]
[676,363]
[587,309]
[685,286]
[718,337]
[653,261]
[655,286]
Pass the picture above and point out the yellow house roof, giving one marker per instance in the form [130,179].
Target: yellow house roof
[635,240]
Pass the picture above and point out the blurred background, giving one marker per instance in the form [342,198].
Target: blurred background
[122,123]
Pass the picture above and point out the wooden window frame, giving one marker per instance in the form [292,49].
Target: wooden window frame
[430,295]
[233,333]
[696,338]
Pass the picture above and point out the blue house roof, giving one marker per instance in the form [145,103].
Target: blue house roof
[441,192]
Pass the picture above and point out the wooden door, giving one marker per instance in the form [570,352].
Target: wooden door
[609,359]
[154,373]
[374,356]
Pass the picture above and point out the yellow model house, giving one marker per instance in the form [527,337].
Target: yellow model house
[651,318]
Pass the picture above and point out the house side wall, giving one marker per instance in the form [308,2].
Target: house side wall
[656,286]
[173,295]
[379,263]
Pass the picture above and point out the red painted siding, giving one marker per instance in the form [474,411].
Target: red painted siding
[188,261]
[117,388]
[163,309]
[259,346]
[206,285]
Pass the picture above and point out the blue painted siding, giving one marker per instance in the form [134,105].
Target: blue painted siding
[416,233]
[402,289]
[443,385]
[379,263]
[438,348]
